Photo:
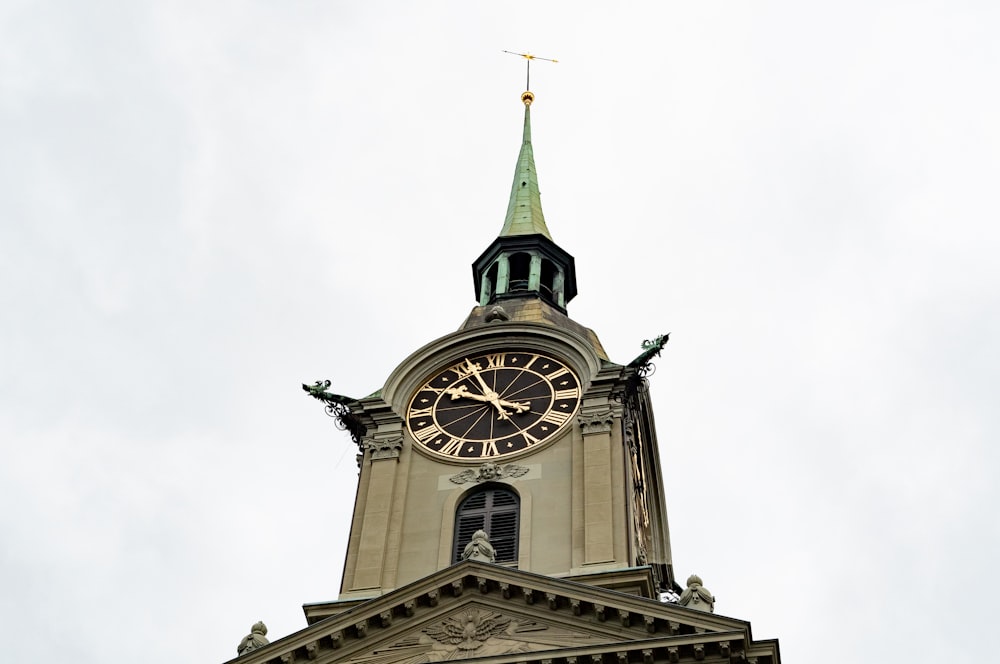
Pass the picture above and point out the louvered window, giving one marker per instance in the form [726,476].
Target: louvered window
[496,511]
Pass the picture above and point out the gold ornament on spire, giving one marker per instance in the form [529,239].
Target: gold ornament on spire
[527,97]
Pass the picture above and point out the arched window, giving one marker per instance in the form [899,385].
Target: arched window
[520,272]
[495,510]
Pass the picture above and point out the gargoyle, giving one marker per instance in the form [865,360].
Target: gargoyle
[650,349]
[319,391]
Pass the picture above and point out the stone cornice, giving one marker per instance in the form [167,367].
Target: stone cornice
[638,629]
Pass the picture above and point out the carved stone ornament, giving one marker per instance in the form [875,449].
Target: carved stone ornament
[468,631]
[597,422]
[480,548]
[487,472]
[254,640]
[696,596]
[385,448]
[476,632]
[497,313]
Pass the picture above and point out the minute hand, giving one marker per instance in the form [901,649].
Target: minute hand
[474,368]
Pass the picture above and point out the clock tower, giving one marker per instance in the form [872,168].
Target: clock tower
[517,424]
[510,496]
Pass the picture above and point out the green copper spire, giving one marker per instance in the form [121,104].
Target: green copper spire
[523,263]
[524,212]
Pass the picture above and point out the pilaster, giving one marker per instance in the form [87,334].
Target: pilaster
[381,450]
[503,274]
[598,541]
[535,272]
[601,486]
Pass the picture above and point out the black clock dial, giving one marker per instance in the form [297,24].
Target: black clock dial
[492,405]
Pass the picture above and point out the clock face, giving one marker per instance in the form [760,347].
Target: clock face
[492,405]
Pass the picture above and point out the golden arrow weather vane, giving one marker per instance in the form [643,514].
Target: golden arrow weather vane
[529,57]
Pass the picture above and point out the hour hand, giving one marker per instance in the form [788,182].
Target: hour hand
[463,391]
[522,407]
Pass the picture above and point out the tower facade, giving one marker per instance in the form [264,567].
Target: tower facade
[520,405]
[510,498]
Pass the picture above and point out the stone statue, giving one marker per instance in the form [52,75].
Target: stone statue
[696,596]
[254,640]
[480,548]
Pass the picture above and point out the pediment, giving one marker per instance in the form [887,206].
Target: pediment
[478,628]
[487,612]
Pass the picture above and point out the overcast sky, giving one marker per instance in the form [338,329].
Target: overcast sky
[205,204]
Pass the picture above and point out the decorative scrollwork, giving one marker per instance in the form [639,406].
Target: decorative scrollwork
[338,407]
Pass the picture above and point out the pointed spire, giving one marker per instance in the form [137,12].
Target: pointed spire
[524,211]
[523,262]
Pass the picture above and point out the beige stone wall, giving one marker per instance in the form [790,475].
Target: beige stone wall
[572,513]
[546,512]
[574,497]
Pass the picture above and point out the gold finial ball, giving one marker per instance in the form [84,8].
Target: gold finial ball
[527,97]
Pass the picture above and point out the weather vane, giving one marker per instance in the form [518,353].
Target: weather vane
[529,57]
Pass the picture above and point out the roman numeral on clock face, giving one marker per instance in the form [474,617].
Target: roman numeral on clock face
[496,361]
[552,417]
[567,394]
[452,447]
[425,434]
[490,449]
[420,412]
[529,439]
[465,369]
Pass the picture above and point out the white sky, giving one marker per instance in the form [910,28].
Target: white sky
[203,205]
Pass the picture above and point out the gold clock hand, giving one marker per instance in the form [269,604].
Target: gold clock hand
[474,369]
[522,407]
[491,395]
[463,391]
[501,413]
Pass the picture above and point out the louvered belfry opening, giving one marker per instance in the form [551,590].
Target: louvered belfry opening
[520,272]
[495,510]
